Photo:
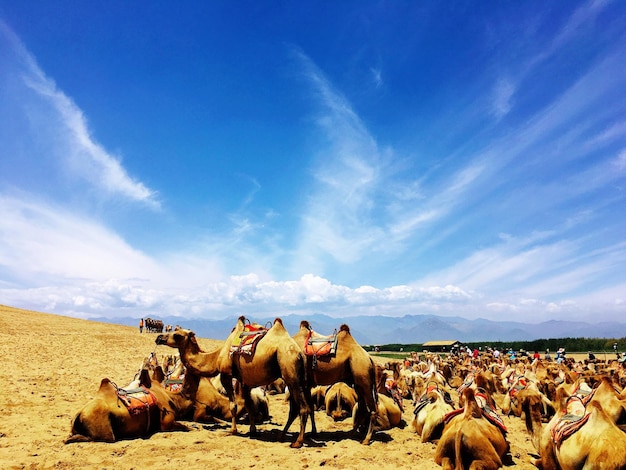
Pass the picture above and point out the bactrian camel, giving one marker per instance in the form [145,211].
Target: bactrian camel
[106,417]
[350,364]
[277,355]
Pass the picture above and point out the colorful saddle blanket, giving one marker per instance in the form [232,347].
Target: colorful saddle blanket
[488,412]
[575,416]
[248,339]
[173,385]
[137,400]
[320,345]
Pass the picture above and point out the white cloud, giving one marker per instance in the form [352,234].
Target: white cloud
[72,143]
[503,94]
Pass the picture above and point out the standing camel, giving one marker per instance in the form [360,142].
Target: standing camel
[276,356]
[350,364]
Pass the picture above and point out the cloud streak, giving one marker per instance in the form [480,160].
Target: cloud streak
[72,141]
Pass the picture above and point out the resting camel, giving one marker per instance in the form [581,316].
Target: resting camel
[276,355]
[339,401]
[107,418]
[598,443]
[388,414]
[429,413]
[470,440]
[350,364]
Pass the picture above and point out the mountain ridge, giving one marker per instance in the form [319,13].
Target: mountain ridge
[407,329]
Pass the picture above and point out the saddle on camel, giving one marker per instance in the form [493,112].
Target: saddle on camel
[472,437]
[117,413]
[275,355]
[578,435]
[350,363]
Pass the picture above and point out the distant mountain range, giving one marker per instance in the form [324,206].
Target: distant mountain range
[370,330]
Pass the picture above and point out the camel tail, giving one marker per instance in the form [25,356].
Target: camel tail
[345,328]
[458,450]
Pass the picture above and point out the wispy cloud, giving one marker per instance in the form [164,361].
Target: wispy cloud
[76,149]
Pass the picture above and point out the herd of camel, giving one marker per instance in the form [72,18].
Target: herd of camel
[574,412]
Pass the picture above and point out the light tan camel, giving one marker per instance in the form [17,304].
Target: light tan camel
[429,413]
[470,440]
[151,408]
[598,443]
[277,355]
[350,364]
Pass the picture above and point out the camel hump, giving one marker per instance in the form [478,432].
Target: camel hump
[105,383]
[144,378]
[279,321]
[305,324]
[471,406]
[345,328]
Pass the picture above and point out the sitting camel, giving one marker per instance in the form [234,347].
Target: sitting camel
[389,414]
[339,401]
[350,364]
[209,405]
[116,414]
[471,440]
[578,436]
[429,413]
[276,355]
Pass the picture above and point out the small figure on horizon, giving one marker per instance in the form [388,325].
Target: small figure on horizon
[141,325]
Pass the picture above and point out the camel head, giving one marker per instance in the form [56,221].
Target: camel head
[179,339]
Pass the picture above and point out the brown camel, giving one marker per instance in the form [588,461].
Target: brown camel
[116,414]
[470,440]
[350,364]
[339,401]
[388,414]
[277,355]
[597,443]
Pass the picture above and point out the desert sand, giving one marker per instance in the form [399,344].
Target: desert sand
[54,364]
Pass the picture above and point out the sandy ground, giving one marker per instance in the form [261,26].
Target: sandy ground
[53,365]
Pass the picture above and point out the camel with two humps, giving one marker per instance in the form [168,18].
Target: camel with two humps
[350,364]
[107,418]
[471,441]
[339,401]
[598,443]
[277,355]
[430,410]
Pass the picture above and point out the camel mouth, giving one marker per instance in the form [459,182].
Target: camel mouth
[160,339]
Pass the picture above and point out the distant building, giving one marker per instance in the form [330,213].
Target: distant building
[441,346]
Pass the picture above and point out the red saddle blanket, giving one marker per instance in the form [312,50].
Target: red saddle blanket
[574,418]
[137,401]
[247,340]
[320,345]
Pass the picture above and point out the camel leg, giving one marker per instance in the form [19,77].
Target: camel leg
[297,405]
[309,400]
[227,383]
[250,408]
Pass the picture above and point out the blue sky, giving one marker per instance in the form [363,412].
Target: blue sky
[455,158]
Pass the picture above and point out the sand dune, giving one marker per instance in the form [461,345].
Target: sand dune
[53,365]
